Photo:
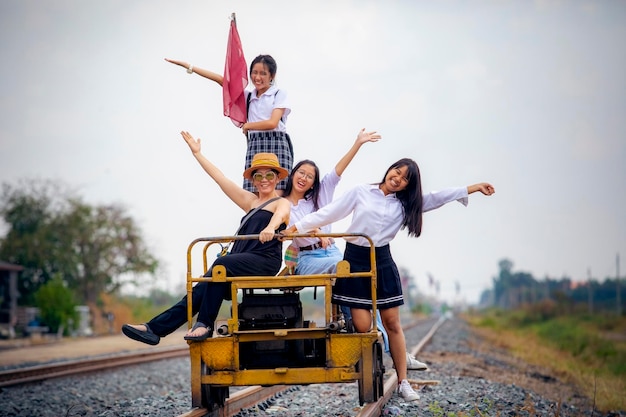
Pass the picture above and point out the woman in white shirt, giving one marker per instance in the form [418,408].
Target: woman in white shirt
[267,109]
[307,194]
[380,211]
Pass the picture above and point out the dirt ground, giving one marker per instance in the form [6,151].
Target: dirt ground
[496,364]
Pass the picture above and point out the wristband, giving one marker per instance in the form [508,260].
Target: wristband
[190,69]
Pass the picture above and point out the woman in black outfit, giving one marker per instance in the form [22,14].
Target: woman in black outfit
[247,257]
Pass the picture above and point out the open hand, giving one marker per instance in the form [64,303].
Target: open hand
[177,62]
[364,136]
[194,144]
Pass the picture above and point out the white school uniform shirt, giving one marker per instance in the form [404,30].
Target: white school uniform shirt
[373,213]
[261,107]
[304,207]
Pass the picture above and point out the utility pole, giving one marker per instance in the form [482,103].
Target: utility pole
[590,292]
[619,289]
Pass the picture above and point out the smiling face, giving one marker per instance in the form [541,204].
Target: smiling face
[264,180]
[262,72]
[397,179]
[303,178]
[261,77]
[303,182]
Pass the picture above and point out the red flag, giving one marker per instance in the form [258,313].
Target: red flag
[235,78]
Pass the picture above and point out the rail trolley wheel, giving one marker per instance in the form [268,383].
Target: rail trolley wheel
[377,381]
[213,397]
[379,371]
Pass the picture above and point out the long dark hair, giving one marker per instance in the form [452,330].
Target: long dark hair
[411,197]
[313,192]
[266,60]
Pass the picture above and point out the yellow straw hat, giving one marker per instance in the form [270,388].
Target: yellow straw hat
[265,160]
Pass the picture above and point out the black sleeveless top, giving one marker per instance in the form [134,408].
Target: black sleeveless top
[255,224]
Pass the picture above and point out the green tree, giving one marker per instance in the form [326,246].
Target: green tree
[512,289]
[56,305]
[27,210]
[103,248]
[502,283]
[53,231]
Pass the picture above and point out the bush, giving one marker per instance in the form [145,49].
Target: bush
[56,305]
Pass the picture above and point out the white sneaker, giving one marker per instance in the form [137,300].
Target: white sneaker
[405,390]
[413,364]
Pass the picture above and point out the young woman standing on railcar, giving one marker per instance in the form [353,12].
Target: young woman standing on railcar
[380,211]
[267,111]
[307,194]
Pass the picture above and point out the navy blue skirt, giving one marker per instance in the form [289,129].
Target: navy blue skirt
[357,292]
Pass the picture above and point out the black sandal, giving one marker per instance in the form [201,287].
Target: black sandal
[147,337]
[203,336]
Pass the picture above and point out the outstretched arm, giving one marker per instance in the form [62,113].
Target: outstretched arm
[436,199]
[361,138]
[237,194]
[483,187]
[213,76]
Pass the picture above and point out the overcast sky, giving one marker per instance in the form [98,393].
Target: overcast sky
[529,96]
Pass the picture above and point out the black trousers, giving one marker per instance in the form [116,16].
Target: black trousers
[175,316]
[207,297]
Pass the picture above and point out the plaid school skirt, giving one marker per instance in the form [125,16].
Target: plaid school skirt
[357,292]
[274,142]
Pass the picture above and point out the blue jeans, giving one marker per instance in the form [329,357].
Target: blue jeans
[318,261]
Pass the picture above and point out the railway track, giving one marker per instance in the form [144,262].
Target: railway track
[74,367]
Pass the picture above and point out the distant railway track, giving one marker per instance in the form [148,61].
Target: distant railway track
[74,367]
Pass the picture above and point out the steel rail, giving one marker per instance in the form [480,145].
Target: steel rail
[73,367]
[375,409]
[240,400]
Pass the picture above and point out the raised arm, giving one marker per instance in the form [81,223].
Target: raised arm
[483,187]
[361,138]
[237,194]
[213,76]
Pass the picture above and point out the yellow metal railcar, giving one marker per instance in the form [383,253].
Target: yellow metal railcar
[267,341]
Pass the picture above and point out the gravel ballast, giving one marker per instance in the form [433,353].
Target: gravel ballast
[458,383]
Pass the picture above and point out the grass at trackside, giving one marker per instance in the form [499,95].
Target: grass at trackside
[587,350]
